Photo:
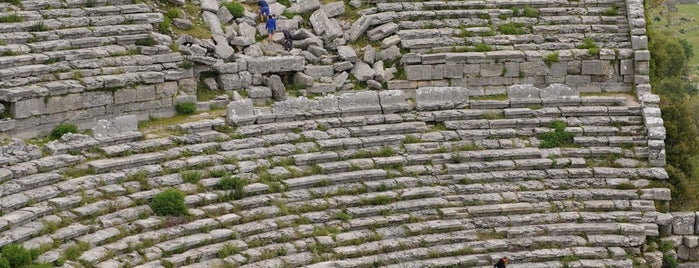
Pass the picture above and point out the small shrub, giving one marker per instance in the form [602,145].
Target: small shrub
[145,42]
[482,47]
[11,18]
[551,58]
[16,255]
[187,108]
[62,129]
[557,137]
[484,16]
[236,9]
[169,203]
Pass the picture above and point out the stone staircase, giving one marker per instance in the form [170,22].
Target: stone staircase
[80,60]
[417,185]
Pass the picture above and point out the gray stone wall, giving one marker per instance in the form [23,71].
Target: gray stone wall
[489,73]
[85,103]
[641,82]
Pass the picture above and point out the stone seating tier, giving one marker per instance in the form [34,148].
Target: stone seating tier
[450,172]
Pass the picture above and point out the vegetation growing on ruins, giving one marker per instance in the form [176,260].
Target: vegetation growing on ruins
[169,203]
[62,129]
[236,9]
[668,69]
[186,108]
[556,138]
[16,256]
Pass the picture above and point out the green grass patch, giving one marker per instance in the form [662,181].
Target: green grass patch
[512,28]
[483,47]
[551,58]
[11,18]
[497,97]
[530,12]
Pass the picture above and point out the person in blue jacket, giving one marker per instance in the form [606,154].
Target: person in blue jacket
[264,9]
[271,26]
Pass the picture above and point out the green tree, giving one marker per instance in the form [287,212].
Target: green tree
[669,57]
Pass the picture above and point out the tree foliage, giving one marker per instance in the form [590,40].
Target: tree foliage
[669,57]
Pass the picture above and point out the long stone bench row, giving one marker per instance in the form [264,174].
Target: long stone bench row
[23,37]
[78,22]
[483,4]
[77,13]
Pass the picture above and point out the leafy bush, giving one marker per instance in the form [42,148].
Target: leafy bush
[62,129]
[169,203]
[233,184]
[186,108]
[556,138]
[11,18]
[236,9]
[587,44]
[16,255]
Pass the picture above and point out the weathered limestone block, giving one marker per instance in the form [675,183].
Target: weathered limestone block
[259,92]
[347,53]
[418,72]
[323,26]
[393,101]
[334,9]
[230,82]
[319,71]
[240,113]
[525,91]
[302,105]
[382,31]
[360,103]
[597,67]
[440,98]
[278,90]
[558,91]
[683,223]
[363,71]
[303,6]
[276,64]
[120,125]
